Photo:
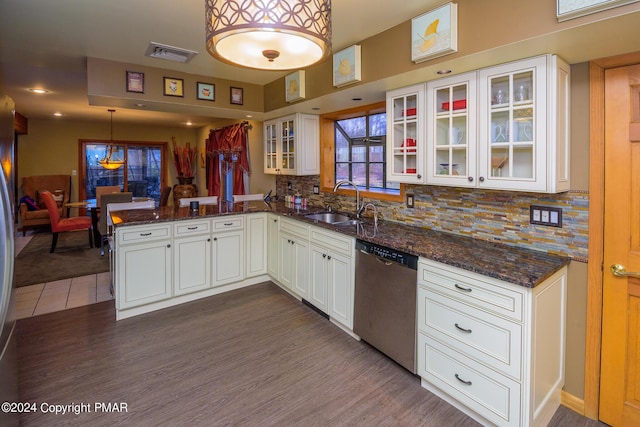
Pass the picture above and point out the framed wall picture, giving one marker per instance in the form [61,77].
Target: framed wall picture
[135,82]
[173,87]
[434,33]
[237,96]
[569,9]
[206,91]
[294,86]
[346,66]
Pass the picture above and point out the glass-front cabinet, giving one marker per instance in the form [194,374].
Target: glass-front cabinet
[292,145]
[523,134]
[405,135]
[504,127]
[451,131]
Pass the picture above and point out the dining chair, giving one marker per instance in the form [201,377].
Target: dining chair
[164,196]
[113,207]
[105,200]
[205,200]
[105,189]
[247,197]
[61,225]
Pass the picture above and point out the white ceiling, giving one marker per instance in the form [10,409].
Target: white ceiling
[46,43]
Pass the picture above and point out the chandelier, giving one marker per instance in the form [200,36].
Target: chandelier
[269,34]
[111,161]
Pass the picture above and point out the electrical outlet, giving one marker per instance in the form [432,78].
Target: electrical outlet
[316,189]
[545,215]
[410,200]
[289,186]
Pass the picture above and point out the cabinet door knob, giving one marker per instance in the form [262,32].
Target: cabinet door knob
[324,255]
[481,179]
[215,239]
[419,176]
[470,179]
[209,239]
[169,245]
[328,256]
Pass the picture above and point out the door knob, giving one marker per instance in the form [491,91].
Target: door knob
[619,270]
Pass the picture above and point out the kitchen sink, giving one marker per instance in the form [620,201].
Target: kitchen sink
[328,217]
[348,222]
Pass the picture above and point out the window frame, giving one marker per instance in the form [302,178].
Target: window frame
[327,154]
[82,160]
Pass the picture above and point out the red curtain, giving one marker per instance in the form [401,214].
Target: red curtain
[230,142]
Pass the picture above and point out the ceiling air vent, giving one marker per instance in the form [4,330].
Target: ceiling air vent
[172,53]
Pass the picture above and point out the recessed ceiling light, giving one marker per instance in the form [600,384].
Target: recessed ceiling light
[189,123]
[57,114]
[356,99]
[38,90]
[140,105]
[248,116]
[441,72]
[316,108]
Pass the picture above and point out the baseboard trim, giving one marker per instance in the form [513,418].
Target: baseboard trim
[572,402]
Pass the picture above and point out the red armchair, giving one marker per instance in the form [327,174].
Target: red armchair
[60,225]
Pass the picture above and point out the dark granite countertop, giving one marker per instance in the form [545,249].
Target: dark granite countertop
[511,264]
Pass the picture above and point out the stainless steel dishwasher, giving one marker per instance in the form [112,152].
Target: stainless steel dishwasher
[385,301]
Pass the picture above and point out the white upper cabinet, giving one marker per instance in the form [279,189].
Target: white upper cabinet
[405,135]
[524,139]
[452,131]
[292,145]
[504,128]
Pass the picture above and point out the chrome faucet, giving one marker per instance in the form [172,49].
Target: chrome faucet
[359,205]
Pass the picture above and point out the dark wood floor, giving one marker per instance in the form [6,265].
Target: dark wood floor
[250,357]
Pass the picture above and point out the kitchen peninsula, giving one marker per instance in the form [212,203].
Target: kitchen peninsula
[490,317]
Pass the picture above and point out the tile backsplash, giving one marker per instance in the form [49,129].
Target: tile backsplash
[499,216]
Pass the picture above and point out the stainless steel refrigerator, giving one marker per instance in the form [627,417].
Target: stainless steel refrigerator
[8,356]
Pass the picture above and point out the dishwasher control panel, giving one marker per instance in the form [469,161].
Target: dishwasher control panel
[384,252]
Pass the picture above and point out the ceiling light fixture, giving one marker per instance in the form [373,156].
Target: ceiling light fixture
[111,161]
[38,90]
[268,34]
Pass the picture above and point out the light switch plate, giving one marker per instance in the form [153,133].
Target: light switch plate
[410,200]
[545,215]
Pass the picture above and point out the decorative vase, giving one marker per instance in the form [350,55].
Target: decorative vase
[182,180]
[183,191]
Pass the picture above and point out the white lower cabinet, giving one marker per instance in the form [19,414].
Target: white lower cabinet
[137,248]
[228,252]
[332,274]
[191,255]
[256,244]
[294,257]
[273,242]
[492,349]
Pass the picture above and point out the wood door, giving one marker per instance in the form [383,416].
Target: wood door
[620,365]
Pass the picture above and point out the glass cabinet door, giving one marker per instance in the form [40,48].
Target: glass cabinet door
[512,139]
[271,147]
[287,144]
[451,130]
[405,142]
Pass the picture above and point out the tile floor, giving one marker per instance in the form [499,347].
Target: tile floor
[61,294]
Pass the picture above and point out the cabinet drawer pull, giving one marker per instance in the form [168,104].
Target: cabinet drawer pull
[192,228]
[461,288]
[463,329]
[463,381]
[227,224]
[145,234]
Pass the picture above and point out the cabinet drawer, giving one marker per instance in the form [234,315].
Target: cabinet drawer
[228,223]
[493,396]
[128,235]
[186,228]
[333,241]
[487,338]
[294,227]
[471,288]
